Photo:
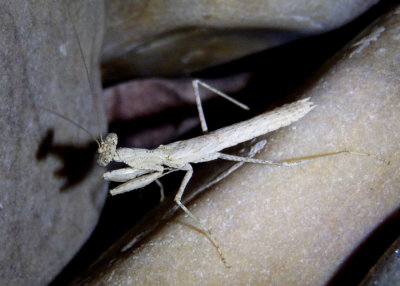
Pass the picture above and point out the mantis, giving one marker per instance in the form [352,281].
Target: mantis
[145,166]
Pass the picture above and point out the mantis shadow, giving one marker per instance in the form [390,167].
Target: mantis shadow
[77,159]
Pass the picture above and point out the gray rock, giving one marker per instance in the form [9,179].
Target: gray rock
[157,38]
[387,271]
[51,193]
[298,225]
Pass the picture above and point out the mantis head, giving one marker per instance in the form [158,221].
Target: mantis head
[107,149]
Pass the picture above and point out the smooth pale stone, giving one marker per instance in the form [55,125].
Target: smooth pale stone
[297,225]
[45,214]
[147,38]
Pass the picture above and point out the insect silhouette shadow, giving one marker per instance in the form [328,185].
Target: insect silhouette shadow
[78,160]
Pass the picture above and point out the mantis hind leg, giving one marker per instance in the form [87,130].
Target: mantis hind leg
[296,161]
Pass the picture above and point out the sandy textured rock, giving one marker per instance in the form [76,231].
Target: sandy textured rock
[158,37]
[291,226]
[50,191]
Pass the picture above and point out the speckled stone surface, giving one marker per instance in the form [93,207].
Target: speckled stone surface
[51,193]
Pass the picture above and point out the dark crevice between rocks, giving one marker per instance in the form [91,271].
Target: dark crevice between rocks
[358,264]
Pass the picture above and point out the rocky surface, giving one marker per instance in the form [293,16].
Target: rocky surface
[148,38]
[50,191]
[48,207]
[386,271]
[298,225]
